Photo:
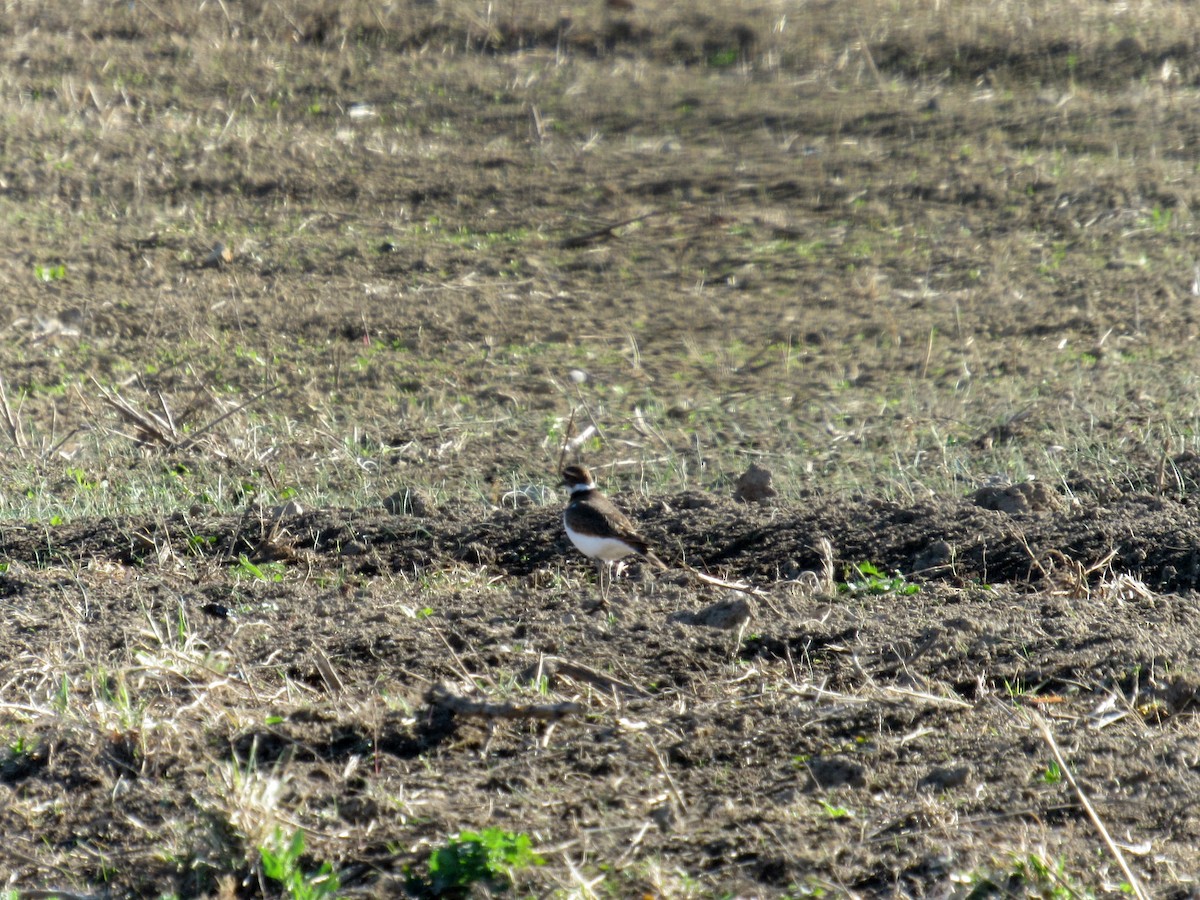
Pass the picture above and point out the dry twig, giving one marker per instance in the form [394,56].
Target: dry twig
[1134,885]
[161,429]
[741,586]
[606,231]
[150,425]
[553,665]
[333,682]
[666,774]
[10,421]
[199,432]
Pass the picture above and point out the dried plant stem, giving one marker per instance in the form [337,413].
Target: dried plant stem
[1134,885]
[11,421]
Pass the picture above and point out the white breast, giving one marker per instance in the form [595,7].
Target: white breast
[605,548]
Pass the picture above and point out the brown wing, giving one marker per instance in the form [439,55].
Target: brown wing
[602,514]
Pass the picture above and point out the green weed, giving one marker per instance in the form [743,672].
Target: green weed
[281,862]
[81,479]
[835,812]
[866,578]
[19,746]
[50,273]
[198,543]
[723,59]
[269,571]
[1016,689]
[62,696]
[1030,876]
[488,857]
[1052,774]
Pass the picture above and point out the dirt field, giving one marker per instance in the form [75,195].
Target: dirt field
[303,302]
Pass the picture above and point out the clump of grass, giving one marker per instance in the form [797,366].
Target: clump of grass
[1028,875]
[867,578]
[488,857]
[281,863]
[268,571]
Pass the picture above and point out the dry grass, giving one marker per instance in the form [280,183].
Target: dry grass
[1036,36]
[890,261]
[181,141]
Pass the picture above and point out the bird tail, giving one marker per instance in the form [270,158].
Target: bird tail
[654,560]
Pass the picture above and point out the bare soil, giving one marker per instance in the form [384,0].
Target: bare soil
[942,291]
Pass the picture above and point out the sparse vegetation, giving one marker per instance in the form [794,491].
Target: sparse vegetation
[1031,875]
[274,264]
[50,273]
[281,863]
[866,578]
[488,857]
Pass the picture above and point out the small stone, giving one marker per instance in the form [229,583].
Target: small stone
[726,615]
[935,556]
[834,772]
[664,816]
[218,611]
[945,777]
[754,485]
[691,500]
[291,508]
[409,502]
[219,255]
[1017,499]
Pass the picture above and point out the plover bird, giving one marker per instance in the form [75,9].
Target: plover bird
[598,528]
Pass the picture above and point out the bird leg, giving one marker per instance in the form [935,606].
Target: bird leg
[602,569]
